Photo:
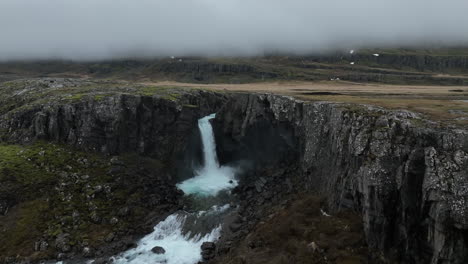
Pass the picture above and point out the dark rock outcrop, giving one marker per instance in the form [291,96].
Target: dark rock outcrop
[149,125]
[208,250]
[158,250]
[408,181]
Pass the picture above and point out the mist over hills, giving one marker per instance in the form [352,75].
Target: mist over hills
[97,30]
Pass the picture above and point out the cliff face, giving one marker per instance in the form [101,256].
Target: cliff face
[151,126]
[407,180]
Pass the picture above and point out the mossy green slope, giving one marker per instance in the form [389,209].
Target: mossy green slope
[53,190]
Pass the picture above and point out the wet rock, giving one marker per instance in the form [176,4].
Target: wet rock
[158,250]
[101,261]
[234,227]
[208,250]
[61,256]
[208,246]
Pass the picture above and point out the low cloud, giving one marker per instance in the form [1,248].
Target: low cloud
[106,29]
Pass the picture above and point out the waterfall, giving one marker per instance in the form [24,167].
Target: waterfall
[212,177]
[209,146]
[184,247]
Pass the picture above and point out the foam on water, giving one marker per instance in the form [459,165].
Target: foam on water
[180,248]
[212,178]
[209,182]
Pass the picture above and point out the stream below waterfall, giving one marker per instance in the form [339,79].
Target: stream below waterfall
[182,233]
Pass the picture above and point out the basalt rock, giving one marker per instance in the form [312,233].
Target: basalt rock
[158,250]
[154,126]
[408,181]
[208,250]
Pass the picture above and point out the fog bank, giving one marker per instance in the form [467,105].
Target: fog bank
[106,29]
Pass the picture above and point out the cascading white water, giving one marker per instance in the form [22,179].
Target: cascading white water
[180,248]
[184,248]
[209,146]
[212,177]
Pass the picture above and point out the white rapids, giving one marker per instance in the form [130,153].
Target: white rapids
[180,247]
[212,177]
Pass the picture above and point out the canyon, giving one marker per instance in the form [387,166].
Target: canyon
[396,176]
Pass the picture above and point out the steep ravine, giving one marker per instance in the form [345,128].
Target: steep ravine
[88,176]
[405,178]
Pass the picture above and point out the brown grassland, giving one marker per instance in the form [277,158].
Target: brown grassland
[447,104]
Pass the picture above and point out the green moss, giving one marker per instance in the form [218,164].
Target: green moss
[20,236]
[75,97]
[32,173]
[99,97]
[171,97]
[362,110]
[152,90]
[167,92]
[419,122]
[24,164]
[51,182]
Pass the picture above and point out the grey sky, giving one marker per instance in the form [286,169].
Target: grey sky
[103,29]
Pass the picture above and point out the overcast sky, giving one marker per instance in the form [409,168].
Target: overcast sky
[104,29]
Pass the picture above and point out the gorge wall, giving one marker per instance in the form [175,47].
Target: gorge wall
[151,126]
[409,181]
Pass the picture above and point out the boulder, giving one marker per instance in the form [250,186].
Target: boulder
[158,250]
[208,250]
[208,246]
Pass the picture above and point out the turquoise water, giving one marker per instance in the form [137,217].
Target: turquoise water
[212,178]
[183,247]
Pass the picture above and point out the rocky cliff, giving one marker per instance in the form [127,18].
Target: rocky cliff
[406,177]
[86,168]
[408,181]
